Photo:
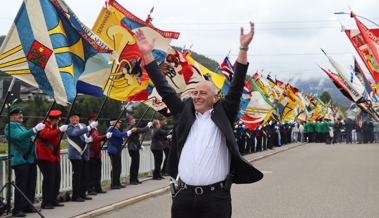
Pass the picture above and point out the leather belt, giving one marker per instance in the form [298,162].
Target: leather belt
[199,190]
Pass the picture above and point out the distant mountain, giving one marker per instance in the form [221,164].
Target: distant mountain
[317,86]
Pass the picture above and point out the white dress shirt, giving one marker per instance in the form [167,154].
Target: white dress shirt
[205,158]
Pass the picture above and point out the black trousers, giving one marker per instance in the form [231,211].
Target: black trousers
[264,142]
[241,145]
[212,204]
[259,143]
[51,172]
[251,145]
[270,141]
[79,178]
[158,157]
[94,181]
[116,169]
[166,152]
[26,177]
[134,166]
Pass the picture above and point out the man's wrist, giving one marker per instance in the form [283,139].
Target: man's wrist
[244,48]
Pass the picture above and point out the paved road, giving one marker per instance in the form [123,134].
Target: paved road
[313,181]
[115,199]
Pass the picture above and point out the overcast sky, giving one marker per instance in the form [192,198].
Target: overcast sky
[288,38]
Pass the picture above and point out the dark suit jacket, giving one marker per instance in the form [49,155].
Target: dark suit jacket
[134,144]
[224,114]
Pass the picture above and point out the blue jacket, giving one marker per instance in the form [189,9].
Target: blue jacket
[75,134]
[116,141]
[21,136]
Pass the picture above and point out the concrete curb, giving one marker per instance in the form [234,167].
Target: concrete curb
[109,208]
[124,203]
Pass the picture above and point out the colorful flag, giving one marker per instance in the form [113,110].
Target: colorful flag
[338,83]
[217,79]
[365,82]
[269,78]
[352,83]
[279,83]
[365,42]
[259,108]
[116,26]
[227,69]
[48,47]
[97,71]
[180,75]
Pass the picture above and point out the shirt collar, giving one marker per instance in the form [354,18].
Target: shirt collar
[206,114]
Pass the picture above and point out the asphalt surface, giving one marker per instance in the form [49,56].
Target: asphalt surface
[310,181]
[116,200]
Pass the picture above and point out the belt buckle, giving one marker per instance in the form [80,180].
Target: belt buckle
[199,190]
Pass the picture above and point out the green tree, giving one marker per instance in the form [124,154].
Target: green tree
[325,97]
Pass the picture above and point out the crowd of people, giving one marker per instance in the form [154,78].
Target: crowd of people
[273,133]
[203,158]
[40,146]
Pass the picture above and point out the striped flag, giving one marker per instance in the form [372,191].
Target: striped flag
[366,43]
[48,47]
[362,77]
[355,88]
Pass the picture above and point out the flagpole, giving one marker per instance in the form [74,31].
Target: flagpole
[101,108]
[143,115]
[68,118]
[97,117]
[114,125]
[143,137]
[8,94]
[341,12]
[47,115]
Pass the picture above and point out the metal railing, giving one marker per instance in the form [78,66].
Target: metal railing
[146,166]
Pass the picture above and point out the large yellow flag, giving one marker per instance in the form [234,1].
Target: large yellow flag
[217,79]
[116,26]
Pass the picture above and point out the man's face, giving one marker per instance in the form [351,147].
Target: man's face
[54,121]
[203,98]
[74,119]
[17,117]
[162,122]
[132,121]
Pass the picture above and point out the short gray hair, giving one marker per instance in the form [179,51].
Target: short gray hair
[214,87]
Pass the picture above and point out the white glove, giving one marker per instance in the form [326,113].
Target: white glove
[142,147]
[169,136]
[63,128]
[88,139]
[129,132]
[149,124]
[38,127]
[94,124]
[109,134]
[236,126]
